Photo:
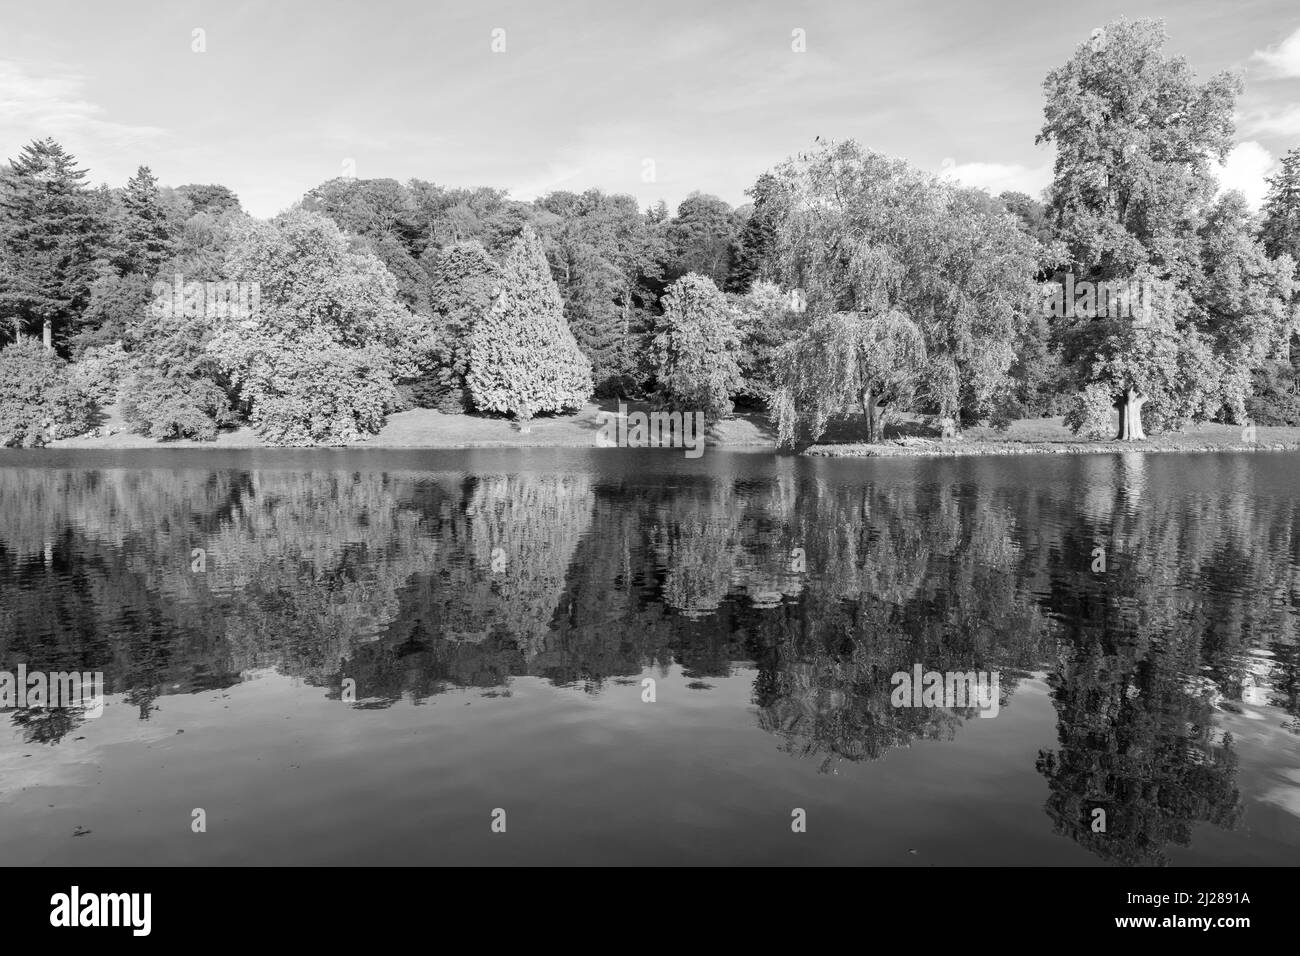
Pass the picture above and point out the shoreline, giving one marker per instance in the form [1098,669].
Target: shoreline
[959,449]
[426,429]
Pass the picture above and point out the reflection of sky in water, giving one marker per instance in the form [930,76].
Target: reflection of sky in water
[1157,690]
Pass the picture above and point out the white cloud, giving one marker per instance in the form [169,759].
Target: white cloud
[999,177]
[1285,122]
[1247,165]
[53,103]
[1284,59]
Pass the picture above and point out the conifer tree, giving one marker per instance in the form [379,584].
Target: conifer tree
[1281,212]
[523,358]
[48,242]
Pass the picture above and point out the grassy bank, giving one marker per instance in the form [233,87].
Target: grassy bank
[425,428]
[1048,436]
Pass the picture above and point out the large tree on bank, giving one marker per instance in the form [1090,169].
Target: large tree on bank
[695,349]
[522,357]
[845,359]
[49,238]
[866,235]
[318,357]
[1132,196]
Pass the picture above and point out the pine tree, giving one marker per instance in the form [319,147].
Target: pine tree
[1281,212]
[49,236]
[757,239]
[144,237]
[523,358]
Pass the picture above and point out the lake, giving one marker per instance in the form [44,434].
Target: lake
[626,656]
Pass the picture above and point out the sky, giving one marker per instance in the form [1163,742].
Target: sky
[654,99]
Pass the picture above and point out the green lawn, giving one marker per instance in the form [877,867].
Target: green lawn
[910,435]
[426,428]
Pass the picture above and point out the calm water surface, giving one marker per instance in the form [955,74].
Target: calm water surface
[380,648]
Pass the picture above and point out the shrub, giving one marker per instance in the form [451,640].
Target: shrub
[1092,413]
[38,401]
[100,372]
[322,394]
[1275,400]
[165,407]
[1004,415]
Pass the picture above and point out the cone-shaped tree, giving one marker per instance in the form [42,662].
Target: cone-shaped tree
[522,357]
[143,240]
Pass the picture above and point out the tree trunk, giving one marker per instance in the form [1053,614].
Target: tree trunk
[1130,416]
[875,412]
[48,335]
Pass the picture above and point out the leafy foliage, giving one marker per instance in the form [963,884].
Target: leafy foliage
[38,401]
[212,199]
[843,360]
[702,238]
[765,321]
[100,372]
[696,348]
[522,357]
[860,232]
[463,281]
[167,407]
[607,260]
[1092,412]
[1133,199]
[318,360]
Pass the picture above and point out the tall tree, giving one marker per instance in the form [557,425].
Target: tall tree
[1135,136]
[522,357]
[1245,302]
[696,348]
[143,236]
[318,358]
[863,233]
[49,237]
[607,261]
[753,258]
[1281,213]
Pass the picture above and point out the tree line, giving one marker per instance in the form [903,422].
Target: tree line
[852,283]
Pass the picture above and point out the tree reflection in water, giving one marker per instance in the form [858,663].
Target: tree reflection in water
[410,583]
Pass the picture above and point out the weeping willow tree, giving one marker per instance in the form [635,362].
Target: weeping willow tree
[844,360]
[861,233]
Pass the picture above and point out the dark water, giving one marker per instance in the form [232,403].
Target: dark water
[497,613]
